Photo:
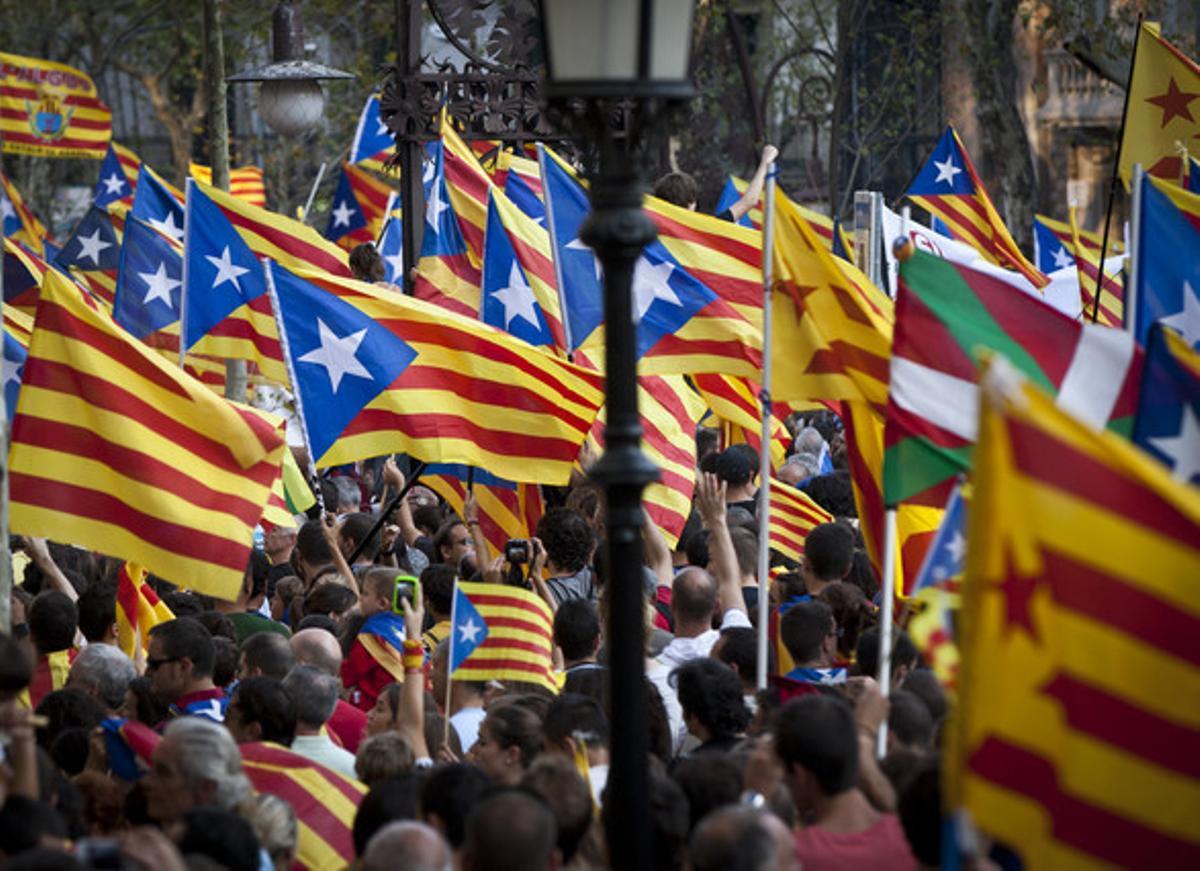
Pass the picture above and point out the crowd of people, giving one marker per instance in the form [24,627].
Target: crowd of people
[157,761]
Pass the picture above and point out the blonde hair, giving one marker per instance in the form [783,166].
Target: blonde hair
[274,824]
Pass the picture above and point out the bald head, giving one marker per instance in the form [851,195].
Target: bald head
[744,838]
[693,596]
[407,844]
[318,648]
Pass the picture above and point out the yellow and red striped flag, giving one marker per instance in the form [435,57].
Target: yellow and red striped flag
[28,229]
[793,516]
[245,182]
[500,632]
[507,509]
[735,400]
[115,449]
[138,610]
[468,186]
[1112,288]
[1077,737]
[325,802]
[49,109]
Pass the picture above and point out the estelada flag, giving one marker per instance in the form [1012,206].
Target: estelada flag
[1162,110]
[49,109]
[1076,740]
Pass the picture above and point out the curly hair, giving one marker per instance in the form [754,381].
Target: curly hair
[712,693]
[567,538]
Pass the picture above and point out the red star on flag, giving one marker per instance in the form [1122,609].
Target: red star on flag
[1175,103]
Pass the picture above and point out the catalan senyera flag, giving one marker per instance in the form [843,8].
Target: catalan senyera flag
[117,450]
[376,372]
[507,510]
[832,327]
[324,801]
[467,184]
[949,188]
[138,610]
[500,632]
[245,182]
[1111,311]
[1077,740]
[793,516]
[446,274]
[1159,115]
[735,400]
[20,223]
[49,109]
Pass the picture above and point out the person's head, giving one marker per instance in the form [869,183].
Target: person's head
[410,845]
[180,657]
[349,496]
[919,806]
[319,648]
[828,552]
[265,654]
[142,704]
[568,539]
[809,633]
[26,824]
[314,695]
[710,781]
[356,529]
[738,838]
[195,764]
[909,722]
[312,550]
[16,670]
[97,607]
[275,826]
[381,757]
[288,589]
[510,736]
[817,742]
[365,262]
[577,630]
[511,830]
[437,589]
[797,469]
[438,669]
[737,647]
[378,586]
[710,695]
[560,785]
[385,802]
[68,708]
[745,549]
[103,671]
[851,612]
[905,656]
[923,684]
[735,468]
[447,797]
[693,601]
[261,710]
[862,574]
[330,599]
[221,835]
[52,620]
[834,492]
[452,542]
[573,720]
[678,188]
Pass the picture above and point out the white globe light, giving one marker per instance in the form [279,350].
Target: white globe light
[291,106]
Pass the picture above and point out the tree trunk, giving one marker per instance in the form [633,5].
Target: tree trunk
[1006,156]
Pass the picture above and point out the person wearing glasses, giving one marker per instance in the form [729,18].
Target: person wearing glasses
[179,663]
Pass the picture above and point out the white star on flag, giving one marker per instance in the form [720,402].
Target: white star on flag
[517,298]
[435,207]
[1186,321]
[957,547]
[1184,448]
[427,171]
[342,214]
[1062,259]
[383,129]
[469,631]
[12,371]
[337,355]
[946,171]
[396,262]
[6,208]
[159,285]
[227,270]
[114,184]
[168,227]
[578,244]
[651,282]
[91,246]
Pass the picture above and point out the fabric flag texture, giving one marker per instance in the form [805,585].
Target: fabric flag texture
[158,204]
[20,222]
[945,313]
[949,188]
[793,516]
[503,633]
[149,277]
[446,274]
[1076,743]
[735,401]
[935,592]
[373,143]
[324,801]
[245,182]
[377,372]
[1160,112]
[49,109]
[118,176]
[138,610]
[391,249]
[1168,415]
[507,510]
[1168,272]
[114,449]
[13,368]
[1050,251]
[1111,311]
[360,206]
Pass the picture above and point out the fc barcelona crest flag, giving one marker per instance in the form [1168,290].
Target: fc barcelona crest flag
[49,109]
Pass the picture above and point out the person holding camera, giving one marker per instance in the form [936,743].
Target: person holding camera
[567,541]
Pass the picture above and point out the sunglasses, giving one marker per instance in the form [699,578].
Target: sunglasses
[153,664]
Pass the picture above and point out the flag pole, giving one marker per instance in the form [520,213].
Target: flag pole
[313,191]
[449,661]
[764,459]
[885,620]
[1116,173]
[1134,250]
[410,481]
[558,278]
[183,292]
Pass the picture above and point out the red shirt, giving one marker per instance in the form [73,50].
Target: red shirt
[348,725]
[364,677]
[882,847]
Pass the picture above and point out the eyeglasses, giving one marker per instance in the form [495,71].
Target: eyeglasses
[153,664]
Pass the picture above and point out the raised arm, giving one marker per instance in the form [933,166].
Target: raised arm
[394,479]
[412,707]
[722,561]
[471,518]
[754,189]
[658,555]
[331,528]
[39,552]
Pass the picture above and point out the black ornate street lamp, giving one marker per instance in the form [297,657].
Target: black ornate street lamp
[603,60]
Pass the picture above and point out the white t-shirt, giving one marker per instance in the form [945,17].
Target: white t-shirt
[466,724]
